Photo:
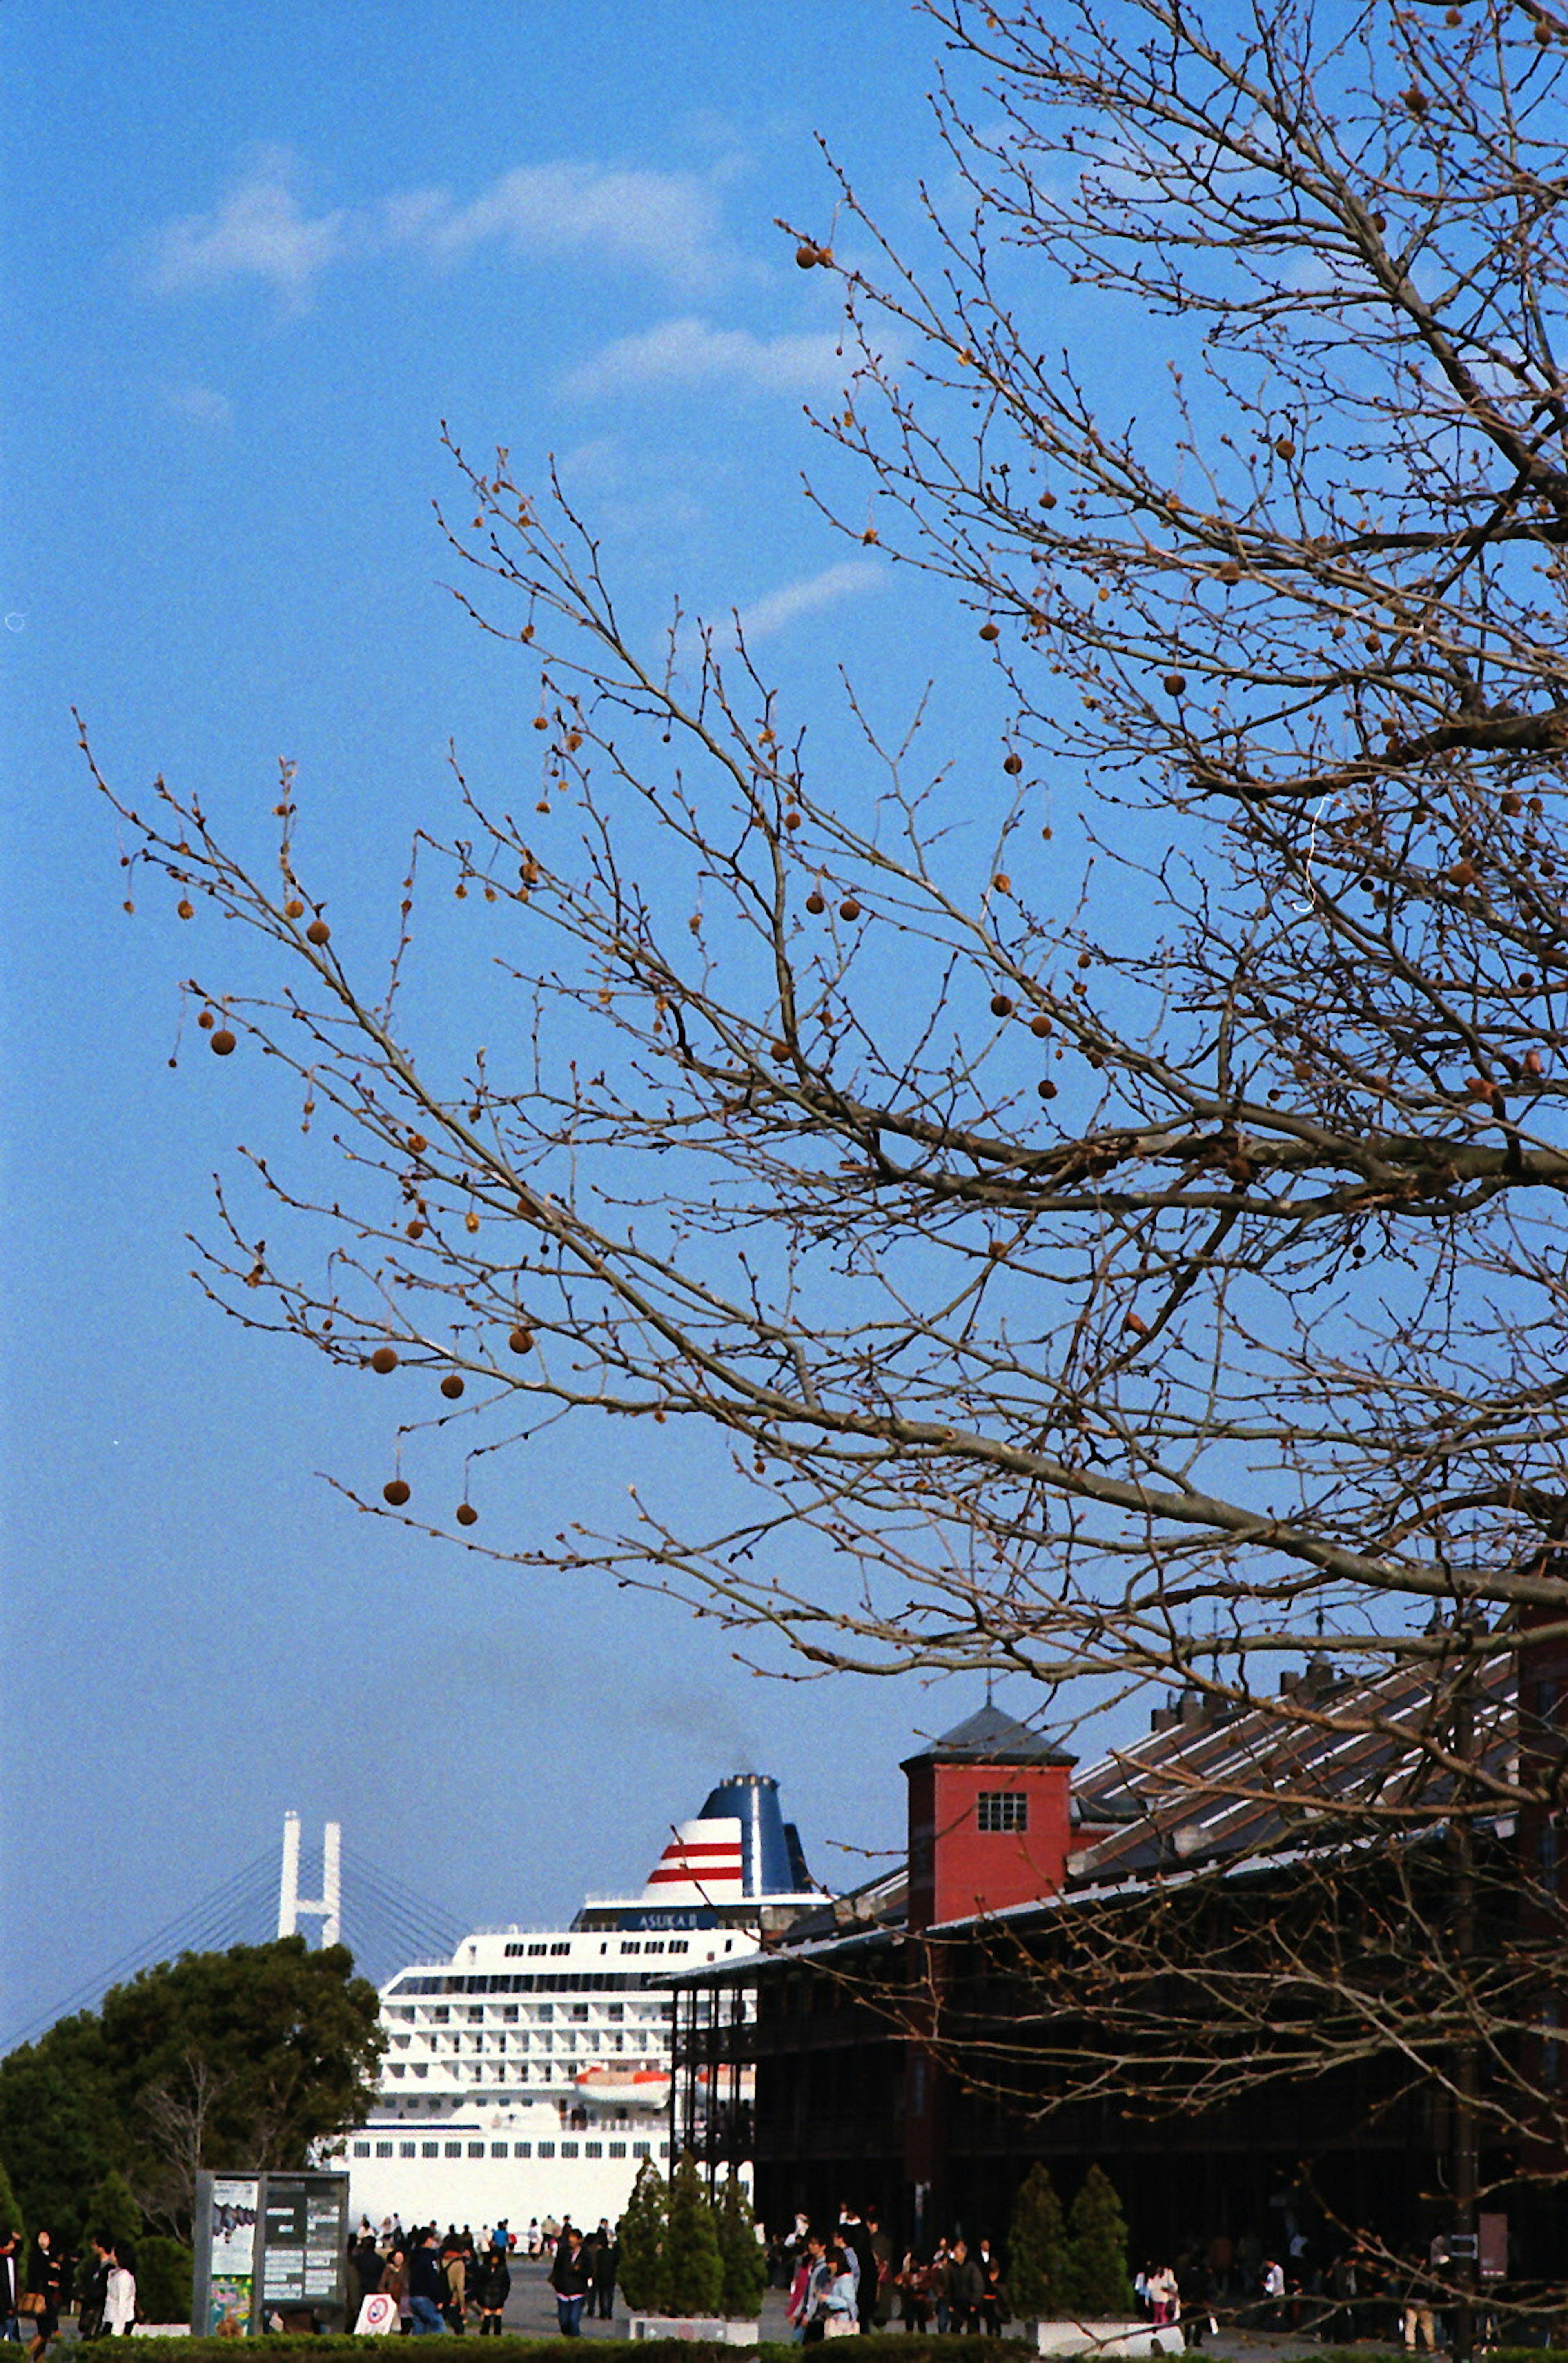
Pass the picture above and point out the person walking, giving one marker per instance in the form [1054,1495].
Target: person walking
[993,2306]
[838,2306]
[427,2290]
[968,2287]
[10,2282]
[92,2283]
[394,2283]
[606,2264]
[569,2279]
[45,2276]
[491,2285]
[119,2295]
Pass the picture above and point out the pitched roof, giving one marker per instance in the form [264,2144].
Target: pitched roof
[991,1736]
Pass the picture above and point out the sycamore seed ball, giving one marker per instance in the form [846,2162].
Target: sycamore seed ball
[815,904]
[396,1493]
[452,1386]
[319,932]
[1013,765]
[467,1516]
[223,1042]
[521,1341]
[385,1359]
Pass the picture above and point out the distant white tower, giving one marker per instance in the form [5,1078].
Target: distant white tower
[290,1902]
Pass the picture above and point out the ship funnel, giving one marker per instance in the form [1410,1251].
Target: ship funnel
[766,1865]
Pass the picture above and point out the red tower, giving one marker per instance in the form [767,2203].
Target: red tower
[989,1807]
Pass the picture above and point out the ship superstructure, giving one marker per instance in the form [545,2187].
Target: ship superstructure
[530,2075]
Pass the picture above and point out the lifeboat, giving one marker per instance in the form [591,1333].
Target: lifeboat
[637,2088]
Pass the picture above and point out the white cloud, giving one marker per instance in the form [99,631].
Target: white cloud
[665,224]
[688,352]
[202,405]
[258,231]
[850,579]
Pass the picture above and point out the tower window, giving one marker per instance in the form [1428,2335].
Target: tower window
[1003,1809]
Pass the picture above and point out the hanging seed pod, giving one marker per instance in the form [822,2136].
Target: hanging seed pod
[452,1386]
[815,904]
[467,1516]
[1000,1005]
[319,932]
[1013,765]
[222,1042]
[395,1491]
[383,1359]
[849,908]
[521,1340]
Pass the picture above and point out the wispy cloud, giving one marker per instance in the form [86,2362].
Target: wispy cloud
[665,225]
[689,352]
[202,405]
[850,579]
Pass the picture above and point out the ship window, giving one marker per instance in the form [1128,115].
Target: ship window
[362,2149]
[640,2149]
[634,1946]
[545,2012]
[404,2149]
[509,2012]
[579,2010]
[454,2149]
[616,2012]
[546,2149]
[498,2149]
[663,2149]
[1003,1809]
[440,2015]
[429,2149]
[536,1952]
[561,1948]
[476,2014]
[568,2149]
[729,1948]
[654,1945]
[522,2150]
[680,1944]
[593,2149]
[476,2149]
[384,2149]
[617,2149]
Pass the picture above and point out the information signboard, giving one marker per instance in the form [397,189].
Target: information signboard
[269,2245]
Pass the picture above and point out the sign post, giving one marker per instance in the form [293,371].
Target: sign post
[269,2245]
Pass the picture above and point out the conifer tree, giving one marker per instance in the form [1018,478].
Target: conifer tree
[1037,2254]
[745,2265]
[1098,2283]
[641,2236]
[113,2209]
[693,2271]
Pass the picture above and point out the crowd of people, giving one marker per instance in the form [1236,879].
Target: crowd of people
[36,2290]
[852,2279]
[437,2282]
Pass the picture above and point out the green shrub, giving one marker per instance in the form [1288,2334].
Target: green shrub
[1098,2283]
[744,2260]
[1037,2255]
[164,2272]
[641,2237]
[691,2274]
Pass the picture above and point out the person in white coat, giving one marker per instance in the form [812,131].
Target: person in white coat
[120,2298]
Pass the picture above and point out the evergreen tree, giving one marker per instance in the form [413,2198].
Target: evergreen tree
[113,2210]
[10,2213]
[692,2273]
[1098,2283]
[1039,2259]
[641,2236]
[745,2265]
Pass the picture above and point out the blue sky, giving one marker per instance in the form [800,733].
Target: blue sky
[255,257]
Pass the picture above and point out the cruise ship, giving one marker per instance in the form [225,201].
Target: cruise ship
[530,2075]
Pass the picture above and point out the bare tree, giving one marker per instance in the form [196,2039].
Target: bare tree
[1125,1280]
